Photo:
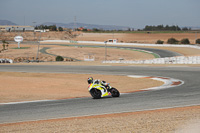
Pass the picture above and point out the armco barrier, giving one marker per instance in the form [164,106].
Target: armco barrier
[132,44]
[6,61]
[167,60]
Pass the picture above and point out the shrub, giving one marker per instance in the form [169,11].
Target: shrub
[159,42]
[172,41]
[59,58]
[60,28]
[4,44]
[198,41]
[185,41]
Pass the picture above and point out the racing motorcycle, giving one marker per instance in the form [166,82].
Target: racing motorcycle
[98,90]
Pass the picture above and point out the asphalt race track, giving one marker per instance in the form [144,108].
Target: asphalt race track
[162,53]
[186,95]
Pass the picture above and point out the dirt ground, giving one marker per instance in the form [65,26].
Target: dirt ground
[122,37]
[30,53]
[136,37]
[17,87]
[36,36]
[175,120]
[99,53]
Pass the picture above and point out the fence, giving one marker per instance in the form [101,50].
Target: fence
[166,60]
[131,44]
[6,61]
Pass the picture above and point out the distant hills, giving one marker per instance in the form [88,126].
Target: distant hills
[72,25]
[6,22]
[87,26]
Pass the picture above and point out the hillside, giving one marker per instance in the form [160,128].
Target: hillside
[88,26]
[6,22]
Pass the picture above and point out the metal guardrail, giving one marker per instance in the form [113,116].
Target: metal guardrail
[6,61]
[166,60]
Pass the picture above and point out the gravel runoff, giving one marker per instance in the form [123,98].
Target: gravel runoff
[173,120]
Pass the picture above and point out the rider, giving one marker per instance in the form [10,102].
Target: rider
[90,80]
[97,81]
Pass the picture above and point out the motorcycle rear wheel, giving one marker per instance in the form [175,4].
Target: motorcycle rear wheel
[114,92]
[95,93]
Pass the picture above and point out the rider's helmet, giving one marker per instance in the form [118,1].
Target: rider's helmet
[90,80]
[104,83]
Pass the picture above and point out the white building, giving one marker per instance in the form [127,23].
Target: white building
[16,28]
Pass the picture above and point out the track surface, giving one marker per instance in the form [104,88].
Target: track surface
[160,52]
[185,95]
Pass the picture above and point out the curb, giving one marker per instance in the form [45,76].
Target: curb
[168,82]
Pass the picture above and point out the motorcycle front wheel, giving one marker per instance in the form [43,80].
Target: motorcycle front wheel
[114,92]
[95,93]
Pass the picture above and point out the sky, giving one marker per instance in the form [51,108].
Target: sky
[131,13]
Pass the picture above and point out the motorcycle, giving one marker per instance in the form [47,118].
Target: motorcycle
[98,90]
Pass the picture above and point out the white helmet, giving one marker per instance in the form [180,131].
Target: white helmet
[104,83]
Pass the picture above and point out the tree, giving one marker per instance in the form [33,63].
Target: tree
[85,29]
[198,41]
[172,41]
[60,28]
[161,28]
[159,42]
[185,28]
[185,41]
[167,27]
[53,28]
[95,29]
[59,58]
[148,28]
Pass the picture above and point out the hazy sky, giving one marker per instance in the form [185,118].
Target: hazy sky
[133,13]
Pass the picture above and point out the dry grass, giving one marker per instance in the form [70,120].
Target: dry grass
[28,52]
[73,52]
[136,37]
[99,53]
[122,37]
[17,87]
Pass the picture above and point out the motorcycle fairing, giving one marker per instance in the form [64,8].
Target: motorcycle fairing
[103,90]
